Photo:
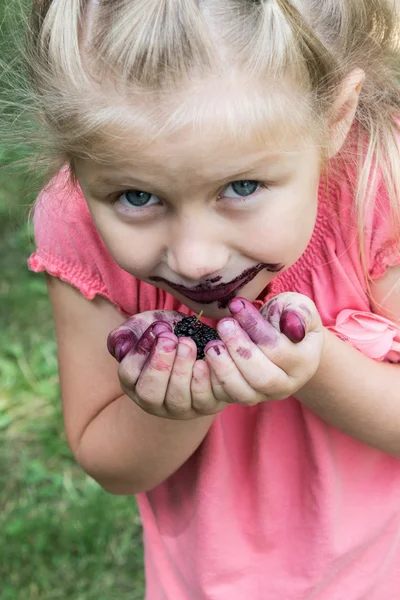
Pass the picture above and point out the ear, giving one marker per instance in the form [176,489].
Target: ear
[344,110]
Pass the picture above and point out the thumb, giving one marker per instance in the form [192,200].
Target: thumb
[292,314]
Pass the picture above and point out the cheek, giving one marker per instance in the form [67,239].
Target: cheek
[296,236]
[281,235]
[139,255]
[137,252]
[281,240]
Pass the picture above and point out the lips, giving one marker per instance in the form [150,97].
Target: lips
[212,295]
[222,293]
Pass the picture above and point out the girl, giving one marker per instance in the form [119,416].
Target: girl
[241,158]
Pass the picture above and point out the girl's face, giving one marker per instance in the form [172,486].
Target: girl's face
[203,216]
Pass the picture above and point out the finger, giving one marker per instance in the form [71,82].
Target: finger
[140,322]
[178,401]
[123,339]
[282,352]
[228,381]
[293,314]
[259,330]
[285,319]
[284,312]
[218,390]
[296,353]
[204,401]
[120,342]
[291,320]
[133,362]
[268,370]
[152,385]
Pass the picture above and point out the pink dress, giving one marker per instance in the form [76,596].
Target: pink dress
[275,504]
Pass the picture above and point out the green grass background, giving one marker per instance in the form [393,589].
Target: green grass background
[61,535]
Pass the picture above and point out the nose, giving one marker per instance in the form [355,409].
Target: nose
[197,249]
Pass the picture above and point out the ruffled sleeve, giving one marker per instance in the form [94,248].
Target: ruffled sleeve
[69,247]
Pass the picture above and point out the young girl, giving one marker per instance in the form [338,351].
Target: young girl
[239,158]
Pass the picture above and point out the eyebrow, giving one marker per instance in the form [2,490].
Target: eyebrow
[268,160]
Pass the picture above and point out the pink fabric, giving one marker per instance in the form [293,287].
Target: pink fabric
[373,335]
[275,504]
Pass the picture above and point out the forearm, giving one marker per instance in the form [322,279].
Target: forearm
[357,395]
[129,451]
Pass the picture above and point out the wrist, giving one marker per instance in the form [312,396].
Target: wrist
[332,346]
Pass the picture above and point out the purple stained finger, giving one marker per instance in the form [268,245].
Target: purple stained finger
[147,340]
[260,331]
[292,325]
[122,341]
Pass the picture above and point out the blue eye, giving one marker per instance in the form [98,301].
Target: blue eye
[138,199]
[242,189]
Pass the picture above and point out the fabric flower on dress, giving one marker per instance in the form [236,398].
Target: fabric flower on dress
[372,334]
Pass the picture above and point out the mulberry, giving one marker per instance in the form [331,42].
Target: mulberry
[200,333]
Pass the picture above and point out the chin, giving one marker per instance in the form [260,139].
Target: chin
[212,311]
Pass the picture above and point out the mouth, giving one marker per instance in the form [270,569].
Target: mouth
[223,293]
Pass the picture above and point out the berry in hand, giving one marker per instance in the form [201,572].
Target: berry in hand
[200,333]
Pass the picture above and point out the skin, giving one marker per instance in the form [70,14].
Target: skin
[207,290]
[116,435]
[195,230]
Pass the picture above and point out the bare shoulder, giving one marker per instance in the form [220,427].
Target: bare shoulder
[88,374]
[385,293]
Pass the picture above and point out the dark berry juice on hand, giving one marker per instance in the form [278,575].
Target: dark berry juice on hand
[200,333]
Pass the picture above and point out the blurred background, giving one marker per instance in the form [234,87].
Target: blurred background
[61,535]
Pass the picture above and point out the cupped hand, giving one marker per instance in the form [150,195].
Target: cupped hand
[159,371]
[262,355]
[265,355]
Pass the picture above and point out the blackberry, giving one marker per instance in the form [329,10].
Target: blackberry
[200,333]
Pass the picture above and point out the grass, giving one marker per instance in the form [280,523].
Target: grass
[62,536]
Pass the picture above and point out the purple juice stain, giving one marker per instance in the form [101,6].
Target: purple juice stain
[236,306]
[244,353]
[259,330]
[159,316]
[123,340]
[165,343]
[147,340]
[305,310]
[292,326]
[120,343]
[200,288]
[272,308]
[215,345]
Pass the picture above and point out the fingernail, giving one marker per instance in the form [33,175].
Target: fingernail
[184,350]
[292,325]
[214,348]
[161,328]
[236,306]
[122,349]
[226,326]
[165,344]
[120,343]
[146,342]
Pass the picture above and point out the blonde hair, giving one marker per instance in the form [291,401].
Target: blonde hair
[77,48]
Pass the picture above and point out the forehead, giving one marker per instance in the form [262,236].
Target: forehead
[221,119]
